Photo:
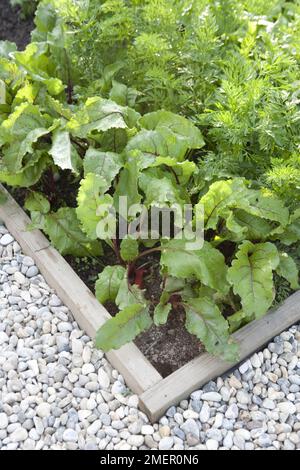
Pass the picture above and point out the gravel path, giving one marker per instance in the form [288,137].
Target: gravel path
[57,392]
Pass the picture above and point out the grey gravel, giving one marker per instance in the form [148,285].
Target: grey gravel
[58,392]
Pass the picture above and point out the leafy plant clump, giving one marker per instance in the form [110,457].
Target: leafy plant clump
[226,140]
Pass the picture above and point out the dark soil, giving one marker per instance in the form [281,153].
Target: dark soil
[167,347]
[12,26]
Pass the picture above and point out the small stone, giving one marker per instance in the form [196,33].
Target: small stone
[191,427]
[211,444]
[70,435]
[147,429]
[164,431]
[19,435]
[19,278]
[242,397]
[244,367]
[135,440]
[166,443]
[192,440]
[255,361]
[3,338]
[133,401]
[204,413]
[6,239]
[232,411]
[32,271]
[171,412]
[228,440]
[43,410]
[3,421]
[34,367]
[211,396]
[268,404]
[94,427]
[27,261]
[235,383]
[243,433]
[287,407]
[54,301]
[103,379]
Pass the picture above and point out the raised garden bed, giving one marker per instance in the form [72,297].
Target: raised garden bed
[77,132]
[156,393]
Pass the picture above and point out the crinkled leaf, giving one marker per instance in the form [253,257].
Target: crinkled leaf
[6,48]
[267,206]
[287,268]
[105,164]
[158,143]
[37,202]
[90,199]
[129,249]
[13,155]
[129,294]
[99,115]
[223,197]
[30,174]
[128,184]
[159,190]
[242,225]
[204,320]
[177,124]
[251,276]
[108,283]
[63,152]
[123,95]
[65,233]
[183,170]
[124,327]
[24,119]
[206,265]
[36,61]
[239,319]
[162,310]
[291,234]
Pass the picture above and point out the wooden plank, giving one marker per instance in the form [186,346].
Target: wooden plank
[88,312]
[201,370]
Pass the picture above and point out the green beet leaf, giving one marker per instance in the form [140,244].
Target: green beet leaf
[29,175]
[287,268]
[291,233]
[64,231]
[37,202]
[161,313]
[99,115]
[179,125]
[91,199]
[129,295]
[105,164]
[251,276]
[239,319]
[129,249]
[206,265]
[123,328]
[63,151]
[108,283]
[204,320]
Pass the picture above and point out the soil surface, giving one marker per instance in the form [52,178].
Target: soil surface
[12,26]
[167,347]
